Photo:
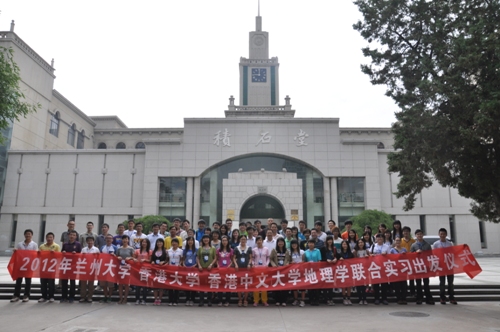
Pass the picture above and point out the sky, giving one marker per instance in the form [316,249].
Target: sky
[154,63]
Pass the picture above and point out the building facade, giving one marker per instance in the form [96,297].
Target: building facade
[256,162]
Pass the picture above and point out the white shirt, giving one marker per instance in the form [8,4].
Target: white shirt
[93,250]
[322,237]
[108,249]
[251,242]
[379,249]
[130,233]
[297,258]
[269,244]
[174,256]
[439,244]
[152,239]
[30,246]
[277,236]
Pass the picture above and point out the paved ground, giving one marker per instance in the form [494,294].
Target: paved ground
[467,316]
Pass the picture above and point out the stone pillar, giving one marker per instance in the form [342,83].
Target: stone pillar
[326,200]
[196,201]
[334,200]
[189,199]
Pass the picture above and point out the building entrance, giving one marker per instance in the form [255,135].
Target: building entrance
[262,207]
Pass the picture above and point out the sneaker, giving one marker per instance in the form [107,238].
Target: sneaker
[384,302]
[277,304]
[89,300]
[443,301]
[302,304]
[377,302]
[361,302]
[226,304]
[82,300]
[345,302]
[14,299]
[283,304]
[51,300]
[349,302]
[255,304]
[453,301]
[103,300]
[143,302]
[175,304]
[431,302]
[170,304]
[265,304]
[109,300]
[26,299]
[98,288]
[296,302]
[209,304]
[137,302]
[42,300]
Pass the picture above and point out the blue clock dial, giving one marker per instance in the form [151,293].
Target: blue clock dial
[259,75]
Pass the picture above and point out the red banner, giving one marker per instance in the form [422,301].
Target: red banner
[344,273]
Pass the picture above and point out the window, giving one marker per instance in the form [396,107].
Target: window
[140,145]
[54,124]
[453,232]
[80,143]
[102,146]
[71,135]
[482,235]
[380,145]
[172,200]
[13,231]
[423,224]
[41,232]
[351,197]
[121,145]
[101,222]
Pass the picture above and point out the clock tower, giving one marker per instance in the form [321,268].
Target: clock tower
[259,78]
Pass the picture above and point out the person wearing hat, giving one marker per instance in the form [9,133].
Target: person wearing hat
[420,246]
[201,230]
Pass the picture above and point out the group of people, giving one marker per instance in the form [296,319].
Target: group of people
[249,245]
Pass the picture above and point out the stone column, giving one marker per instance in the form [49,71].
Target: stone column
[196,201]
[326,200]
[189,199]
[334,200]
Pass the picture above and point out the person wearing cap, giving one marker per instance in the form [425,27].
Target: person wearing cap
[348,226]
[420,246]
[201,230]
[380,248]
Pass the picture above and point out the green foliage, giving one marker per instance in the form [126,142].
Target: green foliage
[148,221]
[440,61]
[373,218]
[11,104]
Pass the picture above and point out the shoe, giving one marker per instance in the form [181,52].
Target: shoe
[344,302]
[109,300]
[255,304]
[175,304]
[200,304]
[63,301]
[98,288]
[143,302]
[42,300]
[226,304]
[361,302]
[296,302]
[419,302]
[404,302]
[277,304]
[26,299]
[302,304]
[14,299]
[137,302]
[245,303]
[103,300]
[442,301]
[51,300]
[265,304]
[210,304]
[365,302]
[82,300]
[453,301]
[430,302]
[377,302]
[384,302]
[170,304]
[71,300]
[283,304]
[349,302]
[89,300]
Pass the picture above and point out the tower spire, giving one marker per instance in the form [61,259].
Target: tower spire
[258,19]
[258,10]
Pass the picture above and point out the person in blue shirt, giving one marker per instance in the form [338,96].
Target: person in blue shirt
[201,230]
[312,255]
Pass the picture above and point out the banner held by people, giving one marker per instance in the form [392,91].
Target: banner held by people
[353,272]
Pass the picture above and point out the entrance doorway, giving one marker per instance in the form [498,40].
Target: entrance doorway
[262,207]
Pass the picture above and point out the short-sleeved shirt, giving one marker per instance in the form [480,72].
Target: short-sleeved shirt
[260,256]
[378,249]
[70,247]
[83,237]
[93,250]
[439,244]
[190,257]
[135,240]
[168,242]
[65,236]
[206,256]
[337,243]
[117,240]
[105,249]
[297,257]
[407,244]
[30,246]
[125,253]
[54,246]
[313,255]
[269,244]
[140,255]
[242,256]
[174,256]
[224,258]
[395,251]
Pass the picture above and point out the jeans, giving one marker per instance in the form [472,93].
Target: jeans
[451,287]
[27,287]
[48,288]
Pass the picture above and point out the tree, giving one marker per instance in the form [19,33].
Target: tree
[440,63]
[12,105]
[148,221]
[372,218]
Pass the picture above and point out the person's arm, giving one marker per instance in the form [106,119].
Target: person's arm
[198,260]
[274,258]
[214,258]
[250,258]
[288,258]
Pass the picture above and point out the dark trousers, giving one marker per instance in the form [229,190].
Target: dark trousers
[412,287]
[203,296]
[280,296]
[361,290]
[227,295]
[173,296]
[48,288]
[451,287]
[426,290]
[64,288]
[328,293]
[313,296]
[400,290]
[27,287]
[190,296]
[380,289]
[143,291]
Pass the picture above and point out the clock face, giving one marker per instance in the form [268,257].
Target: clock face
[259,75]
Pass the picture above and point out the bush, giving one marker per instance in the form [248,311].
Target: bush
[148,221]
[372,218]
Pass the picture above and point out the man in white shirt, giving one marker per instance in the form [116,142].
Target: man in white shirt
[27,244]
[380,248]
[251,237]
[87,287]
[318,225]
[155,235]
[444,243]
[135,239]
[269,242]
[130,231]
[274,229]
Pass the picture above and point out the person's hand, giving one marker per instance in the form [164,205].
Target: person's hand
[419,251]
[341,258]
[200,268]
